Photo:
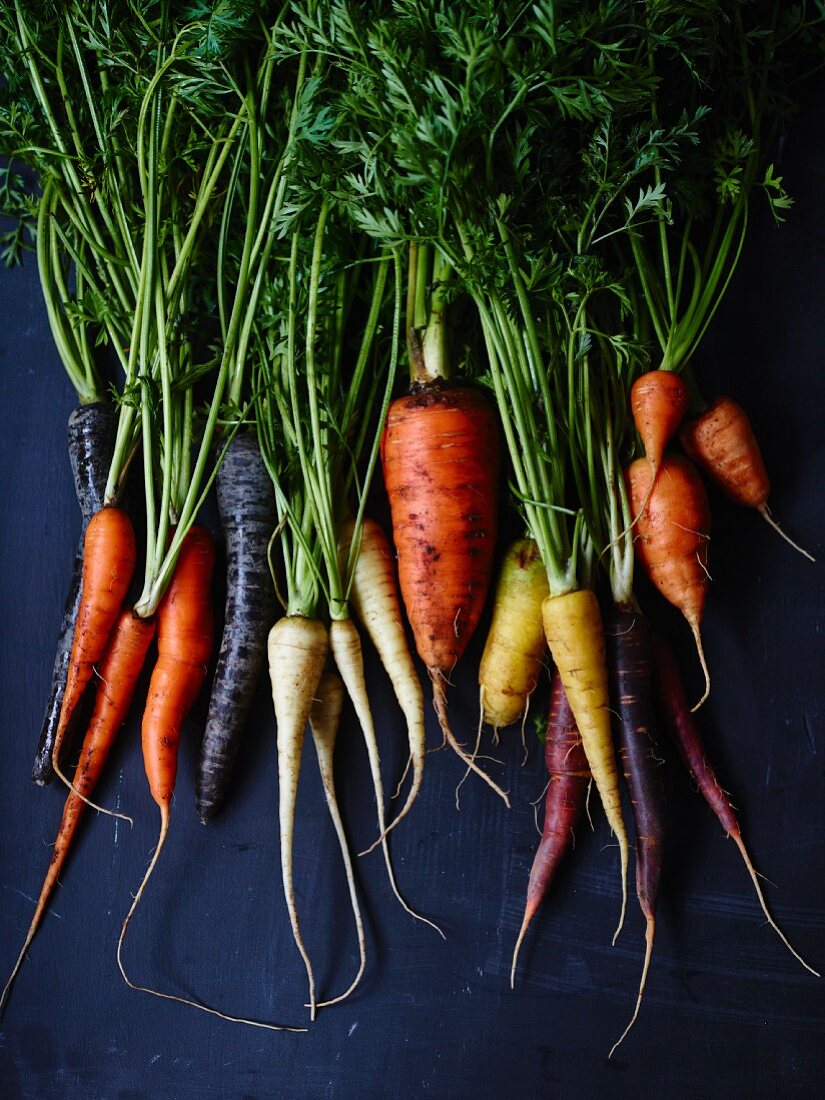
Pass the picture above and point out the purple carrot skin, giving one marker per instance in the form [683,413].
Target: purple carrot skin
[246,505]
[91,442]
[628,651]
[564,802]
[682,729]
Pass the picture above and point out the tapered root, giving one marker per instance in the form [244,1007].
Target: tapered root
[323,722]
[694,626]
[346,649]
[650,931]
[164,829]
[529,913]
[92,805]
[440,704]
[740,844]
[765,513]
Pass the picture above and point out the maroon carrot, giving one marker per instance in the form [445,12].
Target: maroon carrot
[628,649]
[564,802]
[682,728]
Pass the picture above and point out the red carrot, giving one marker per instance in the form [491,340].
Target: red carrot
[682,728]
[722,443]
[564,802]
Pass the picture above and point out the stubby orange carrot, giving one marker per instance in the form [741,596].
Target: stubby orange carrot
[721,442]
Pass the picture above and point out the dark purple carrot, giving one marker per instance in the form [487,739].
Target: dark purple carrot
[92,430]
[564,802]
[628,657]
[247,511]
[681,727]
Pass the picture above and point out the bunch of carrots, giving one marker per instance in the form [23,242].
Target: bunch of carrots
[260,213]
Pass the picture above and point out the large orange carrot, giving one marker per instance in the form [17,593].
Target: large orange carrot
[109,555]
[673,535]
[722,443]
[119,672]
[440,453]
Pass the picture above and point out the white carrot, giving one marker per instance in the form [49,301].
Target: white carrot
[297,648]
[375,600]
[323,722]
[346,649]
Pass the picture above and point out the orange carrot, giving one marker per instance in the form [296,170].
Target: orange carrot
[440,456]
[721,442]
[119,672]
[109,556]
[673,534]
[185,637]
[658,401]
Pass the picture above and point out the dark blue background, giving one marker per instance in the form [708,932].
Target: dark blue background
[727,1011]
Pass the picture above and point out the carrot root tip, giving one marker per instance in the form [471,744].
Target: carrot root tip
[767,515]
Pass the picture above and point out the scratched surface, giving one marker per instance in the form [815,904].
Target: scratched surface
[727,1010]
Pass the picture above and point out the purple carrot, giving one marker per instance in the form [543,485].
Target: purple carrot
[92,430]
[564,802]
[627,636]
[682,728]
[246,505]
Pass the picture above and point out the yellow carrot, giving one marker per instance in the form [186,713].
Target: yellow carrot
[514,652]
[573,628]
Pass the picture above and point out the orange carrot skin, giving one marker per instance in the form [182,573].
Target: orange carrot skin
[658,401]
[721,442]
[672,535]
[185,640]
[109,556]
[440,454]
[119,672]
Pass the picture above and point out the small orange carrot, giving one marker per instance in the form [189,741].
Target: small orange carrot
[119,672]
[673,534]
[721,442]
[658,402]
[109,555]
